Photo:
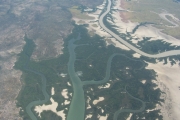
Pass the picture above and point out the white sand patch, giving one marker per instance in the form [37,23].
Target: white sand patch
[88,116]
[119,45]
[102,110]
[98,30]
[143,81]
[168,80]
[52,107]
[90,65]
[134,41]
[155,82]
[127,68]
[107,85]
[66,102]
[103,117]
[98,100]
[136,55]
[148,110]
[52,91]
[79,73]
[102,5]
[121,26]
[68,83]
[156,34]
[88,100]
[88,10]
[129,117]
[63,75]
[64,93]
[142,31]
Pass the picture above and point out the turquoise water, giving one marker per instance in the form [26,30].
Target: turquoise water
[77,107]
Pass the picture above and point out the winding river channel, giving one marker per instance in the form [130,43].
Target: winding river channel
[116,114]
[163,54]
[77,106]
[38,102]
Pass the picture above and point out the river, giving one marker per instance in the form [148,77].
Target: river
[43,89]
[159,55]
[77,106]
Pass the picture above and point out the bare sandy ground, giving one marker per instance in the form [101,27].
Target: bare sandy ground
[64,93]
[168,80]
[88,116]
[68,83]
[63,74]
[52,91]
[169,83]
[122,26]
[52,107]
[129,117]
[143,81]
[156,34]
[103,117]
[98,100]
[107,85]
[136,55]
[95,28]
[88,100]
[66,102]
[142,31]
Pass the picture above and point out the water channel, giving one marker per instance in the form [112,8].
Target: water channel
[159,55]
[77,106]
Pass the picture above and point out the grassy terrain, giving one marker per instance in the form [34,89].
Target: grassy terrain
[78,14]
[31,90]
[144,12]
[146,45]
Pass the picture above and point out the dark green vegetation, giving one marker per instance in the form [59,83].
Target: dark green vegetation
[92,55]
[147,45]
[157,46]
[141,24]
[151,47]
[31,90]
